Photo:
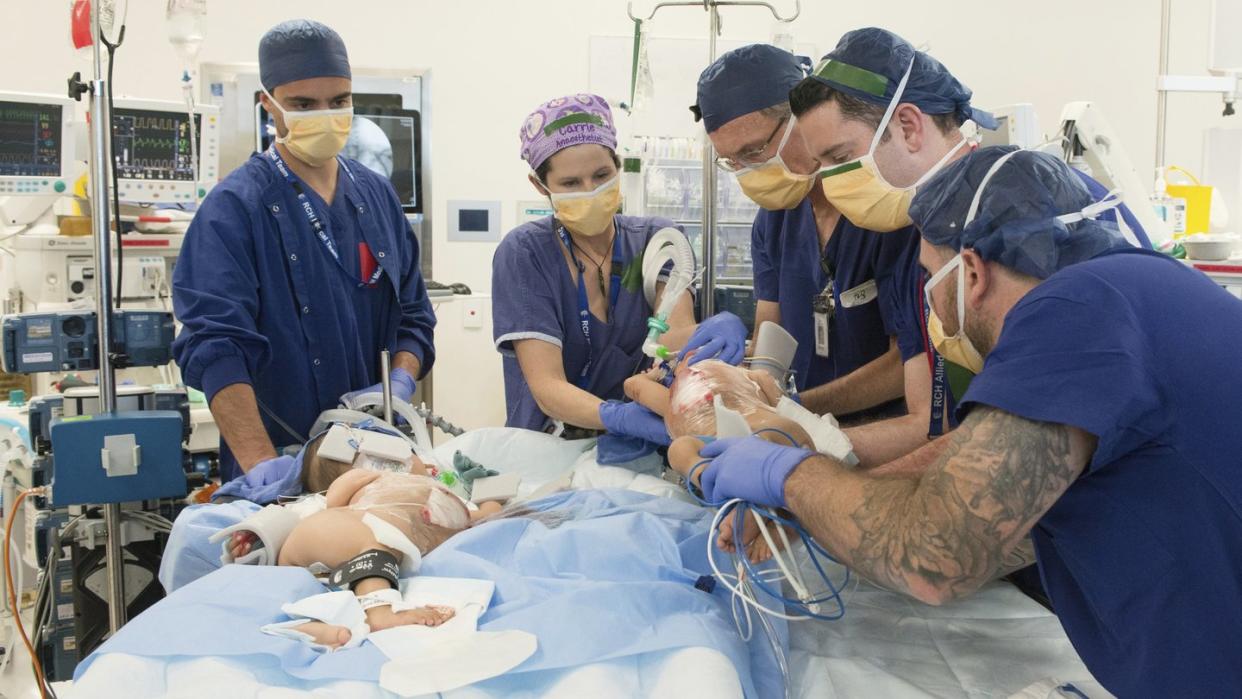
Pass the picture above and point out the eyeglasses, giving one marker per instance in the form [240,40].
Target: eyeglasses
[751,157]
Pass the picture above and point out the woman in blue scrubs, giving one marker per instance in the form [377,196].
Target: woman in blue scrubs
[569,314]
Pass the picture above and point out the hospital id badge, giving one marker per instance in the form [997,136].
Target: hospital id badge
[824,308]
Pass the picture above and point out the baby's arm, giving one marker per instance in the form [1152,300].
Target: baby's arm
[645,390]
[768,387]
[347,485]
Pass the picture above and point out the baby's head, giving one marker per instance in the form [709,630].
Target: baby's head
[319,472]
[753,394]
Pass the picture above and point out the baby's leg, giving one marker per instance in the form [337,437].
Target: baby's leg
[646,391]
[330,537]
[485,510]
[683,454]
[765,423]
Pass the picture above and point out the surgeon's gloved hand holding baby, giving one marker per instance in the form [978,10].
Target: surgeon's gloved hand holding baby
[722,336]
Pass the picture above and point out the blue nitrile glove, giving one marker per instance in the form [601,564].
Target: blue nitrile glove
[633,420]
[750,468]
[266,480]
[403,385]
[615,449]
[723,337]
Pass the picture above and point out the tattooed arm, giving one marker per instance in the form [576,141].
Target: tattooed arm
[943,535]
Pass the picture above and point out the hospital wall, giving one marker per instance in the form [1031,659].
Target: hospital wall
[491,61]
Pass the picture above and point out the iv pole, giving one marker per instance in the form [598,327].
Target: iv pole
[707,292]
[100,152]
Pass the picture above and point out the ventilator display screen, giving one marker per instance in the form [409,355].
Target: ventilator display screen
[153,145]
[30,136]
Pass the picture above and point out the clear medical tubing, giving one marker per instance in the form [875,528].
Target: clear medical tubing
[667,245]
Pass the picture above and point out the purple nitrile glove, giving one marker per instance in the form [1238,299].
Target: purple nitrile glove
[750,468]
[403,385]
[633,420]
[723,337]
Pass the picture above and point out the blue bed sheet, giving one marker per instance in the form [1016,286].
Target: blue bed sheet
[595,575]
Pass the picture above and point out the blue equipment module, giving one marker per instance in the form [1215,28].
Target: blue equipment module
[117,457]
[69,340]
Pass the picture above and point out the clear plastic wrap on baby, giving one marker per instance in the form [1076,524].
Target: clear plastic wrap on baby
[691,410]
[392,492]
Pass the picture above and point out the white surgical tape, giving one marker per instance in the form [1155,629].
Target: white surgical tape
[380,598]
[447,510]
[391,537]
[729,423]
[825,434]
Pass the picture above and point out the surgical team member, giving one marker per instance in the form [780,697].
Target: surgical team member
[882,118]
[569,314]
[822,278]
[298,269]
[1103,424]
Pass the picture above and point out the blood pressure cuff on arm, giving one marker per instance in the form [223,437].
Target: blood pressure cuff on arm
[368,564]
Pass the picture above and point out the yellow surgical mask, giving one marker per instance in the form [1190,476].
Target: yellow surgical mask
[315,137]
[958,348]
[771,185]
[859,191]
[588,213]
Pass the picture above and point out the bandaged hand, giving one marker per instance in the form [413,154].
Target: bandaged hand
[240,543]
[750,468]
[722,336]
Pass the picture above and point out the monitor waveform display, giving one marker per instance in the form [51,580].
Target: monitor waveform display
[30,139]
[151,145]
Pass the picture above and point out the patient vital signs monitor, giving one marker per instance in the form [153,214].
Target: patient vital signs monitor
[153,145]
[36,144]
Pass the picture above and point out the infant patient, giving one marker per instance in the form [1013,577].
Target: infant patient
[688,409]
[687,405]
[373,511]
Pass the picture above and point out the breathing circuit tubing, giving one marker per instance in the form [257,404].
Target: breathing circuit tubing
[667,245]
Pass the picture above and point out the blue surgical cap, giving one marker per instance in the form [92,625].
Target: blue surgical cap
[746,80]
[300,49]
[869,63]
[1016,223]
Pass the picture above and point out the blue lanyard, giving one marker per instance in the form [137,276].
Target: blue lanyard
[584,304]
[939,389]
[321,231]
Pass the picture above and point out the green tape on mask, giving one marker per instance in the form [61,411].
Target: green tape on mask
[852,165]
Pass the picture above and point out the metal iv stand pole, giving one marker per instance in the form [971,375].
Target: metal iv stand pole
[100,154]
[707,290]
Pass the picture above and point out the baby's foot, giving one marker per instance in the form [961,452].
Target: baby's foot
[325,634]
[379,618]
[756,547]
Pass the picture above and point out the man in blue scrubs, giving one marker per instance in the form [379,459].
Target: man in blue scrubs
[882,118]
[298,269]
[807,257]
[1103,425]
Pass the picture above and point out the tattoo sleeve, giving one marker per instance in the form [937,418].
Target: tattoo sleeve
[947,533]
